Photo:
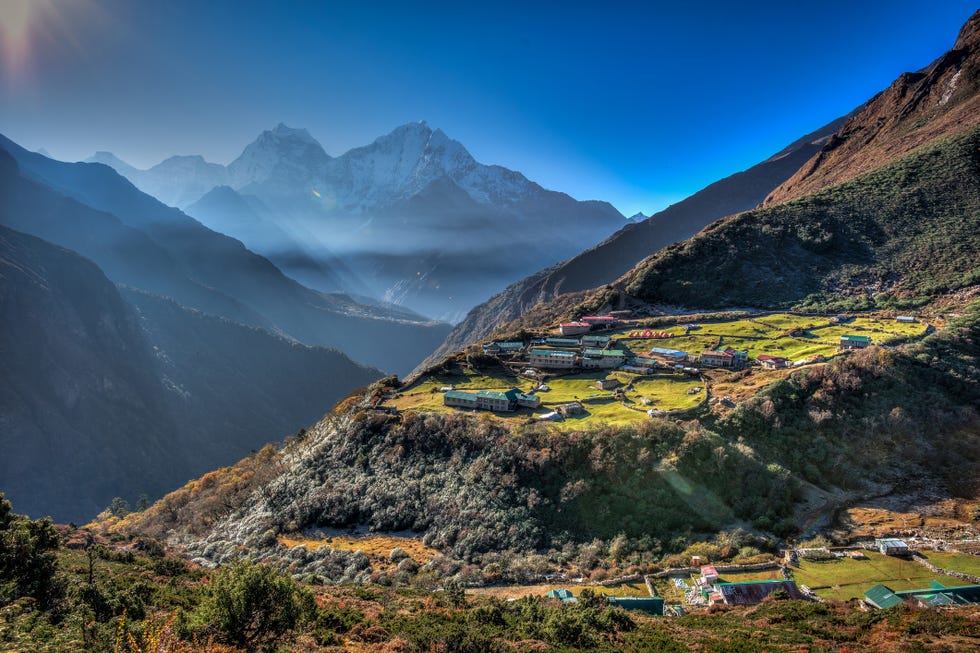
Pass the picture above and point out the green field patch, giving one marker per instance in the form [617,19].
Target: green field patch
[668,392]
[842,579]
[744,576]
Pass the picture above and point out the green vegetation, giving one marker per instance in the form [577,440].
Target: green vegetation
[907,231]
[253,606]
[27,565]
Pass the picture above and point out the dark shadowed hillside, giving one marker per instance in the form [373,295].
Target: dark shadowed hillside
[100,400]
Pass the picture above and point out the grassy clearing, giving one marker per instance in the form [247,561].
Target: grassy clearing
[964,563]
[743,576]
[668,393]
[843,579]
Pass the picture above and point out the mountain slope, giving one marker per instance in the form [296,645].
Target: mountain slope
[141,242]
[100,400]
[902,235]
[617,254]
[83,414]
[941,100]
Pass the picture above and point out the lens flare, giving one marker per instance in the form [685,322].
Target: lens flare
[316,193]
[30,28]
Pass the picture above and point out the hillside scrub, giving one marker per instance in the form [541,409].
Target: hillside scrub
[898,236]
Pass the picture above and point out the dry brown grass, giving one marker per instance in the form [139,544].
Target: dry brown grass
[376,547]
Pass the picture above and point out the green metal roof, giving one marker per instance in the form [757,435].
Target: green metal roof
[459,394]
[604,352]
[562,342]
[509,395]
[856,338]
[882,597]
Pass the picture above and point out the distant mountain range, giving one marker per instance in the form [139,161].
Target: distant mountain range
[411,218]
[140,242]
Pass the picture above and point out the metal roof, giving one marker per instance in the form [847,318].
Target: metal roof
[882,597]
[616,353]
[459,394]
[753,591]
[553,352]
[852,338]
[668,352]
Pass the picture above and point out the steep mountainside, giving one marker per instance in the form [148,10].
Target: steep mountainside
[384,209]
[101,400]
[141,242]
[616,255]
[941,100]
[902,235]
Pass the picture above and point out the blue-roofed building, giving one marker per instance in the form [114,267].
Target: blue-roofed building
[602,358]
[564,596]
[936,594]
[503,347]
[595,341]
[892,546]
[668,355]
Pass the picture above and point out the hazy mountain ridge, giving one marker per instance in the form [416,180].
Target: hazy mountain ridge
[375,220]
[143,243]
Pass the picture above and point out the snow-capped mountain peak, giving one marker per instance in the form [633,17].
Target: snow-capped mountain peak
[278,155]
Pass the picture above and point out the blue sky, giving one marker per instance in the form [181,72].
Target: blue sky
[637,103]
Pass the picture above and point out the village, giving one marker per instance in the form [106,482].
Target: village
[877,574]
[618,369]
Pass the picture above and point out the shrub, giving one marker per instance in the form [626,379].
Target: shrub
[253,606]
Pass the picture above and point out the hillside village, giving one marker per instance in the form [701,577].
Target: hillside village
[623,368]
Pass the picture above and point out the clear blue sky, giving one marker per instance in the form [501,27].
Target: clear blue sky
[638,103]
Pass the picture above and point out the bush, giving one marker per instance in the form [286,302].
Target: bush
[254,606]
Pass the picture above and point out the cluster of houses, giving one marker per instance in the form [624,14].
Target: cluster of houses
[715,591]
